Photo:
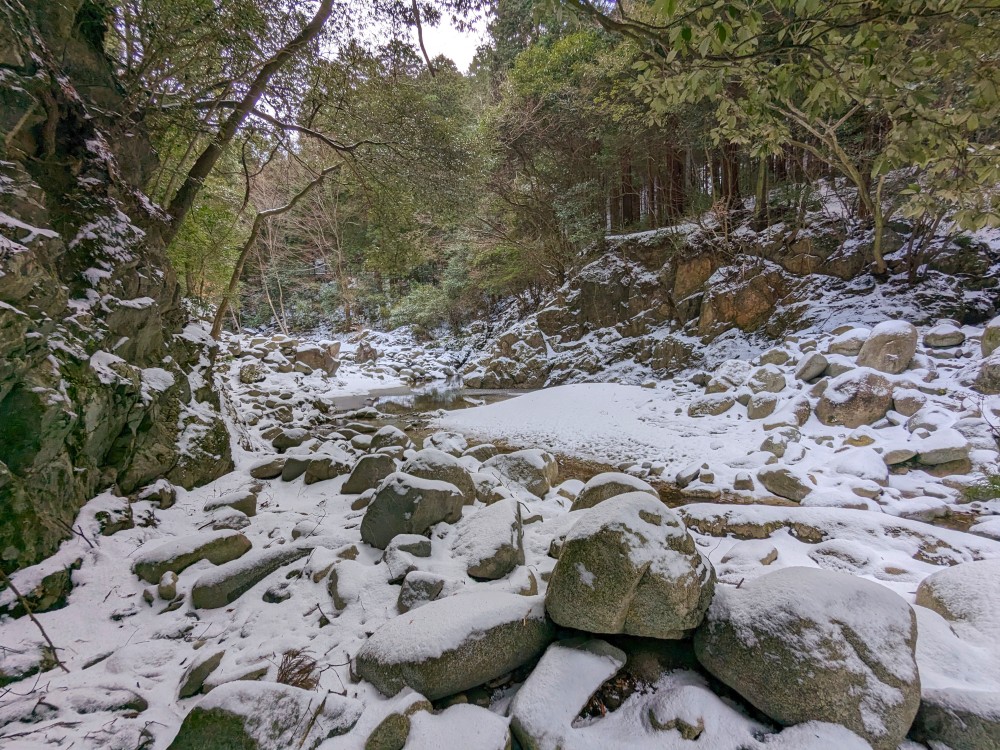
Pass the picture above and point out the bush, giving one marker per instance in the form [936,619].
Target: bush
[424,305]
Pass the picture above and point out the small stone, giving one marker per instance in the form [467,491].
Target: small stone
[783,482]
[418,589]
[811,366]
[195,675]
[166,589]
[743,482]
[269,468]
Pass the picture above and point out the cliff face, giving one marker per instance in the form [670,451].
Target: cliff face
[102,379]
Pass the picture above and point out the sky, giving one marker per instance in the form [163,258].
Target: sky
[446,40]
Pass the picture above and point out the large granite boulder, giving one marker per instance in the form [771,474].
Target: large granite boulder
[181,552]
[490,540]
[455,643]
[535,470]
[368,473]
[890,347]
[629,566]
[608,484]
[406,504]
[431,463]
[803,644]
[855,398]
[245,715]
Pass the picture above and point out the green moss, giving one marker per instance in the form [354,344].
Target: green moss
[213,729]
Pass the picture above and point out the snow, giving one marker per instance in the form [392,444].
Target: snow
[605,422]
[565,678]
[143,648]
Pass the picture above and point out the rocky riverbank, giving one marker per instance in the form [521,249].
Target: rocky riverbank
[349,586]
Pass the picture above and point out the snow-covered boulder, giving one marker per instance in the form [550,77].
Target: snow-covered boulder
[419,588]
[849,343]
[628,565]
[431,463]
[855,398]
[545,707]
[463,725]
[767,379]
[182,552]
[535,470]
[245,501]
[227,583]
[944,336]
[784,482]
[890,347]
[991,337]
[455,643]
[711,405]
[960,680]
[252,373]
[265,716]
[968,595]
[811,366]
[406,504]
[608,484]
[986,378]
[389,436]
[368,473]
[489,541]
[449,442]
[812,645]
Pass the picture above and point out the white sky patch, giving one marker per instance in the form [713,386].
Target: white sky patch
[445,39]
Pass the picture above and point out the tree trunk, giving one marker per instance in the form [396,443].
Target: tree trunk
[248,246]
[183,200]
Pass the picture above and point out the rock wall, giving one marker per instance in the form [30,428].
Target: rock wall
[662,301]
[103,380]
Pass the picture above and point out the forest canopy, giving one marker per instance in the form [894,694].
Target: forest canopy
[320,168]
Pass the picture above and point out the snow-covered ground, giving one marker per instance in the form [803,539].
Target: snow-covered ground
[130,646]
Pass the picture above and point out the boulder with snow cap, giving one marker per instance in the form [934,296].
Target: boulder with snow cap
[889,347]
[227,583]
[728,375]
[542,717]
[535,470]
[811,366]
[490,540]
[245,501]
[855,398]
[711,405]
[629,566]
[944,336]
[967,595]
[389,436]
[265,716]
[455,643]
[986,377]
[608,484]
[784,482]
[803,645]
[449,442]
[767,379]
[431,463]
[991,337]
[849,343]
[405,504]
[368,473]
[181,552]
[322,468]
